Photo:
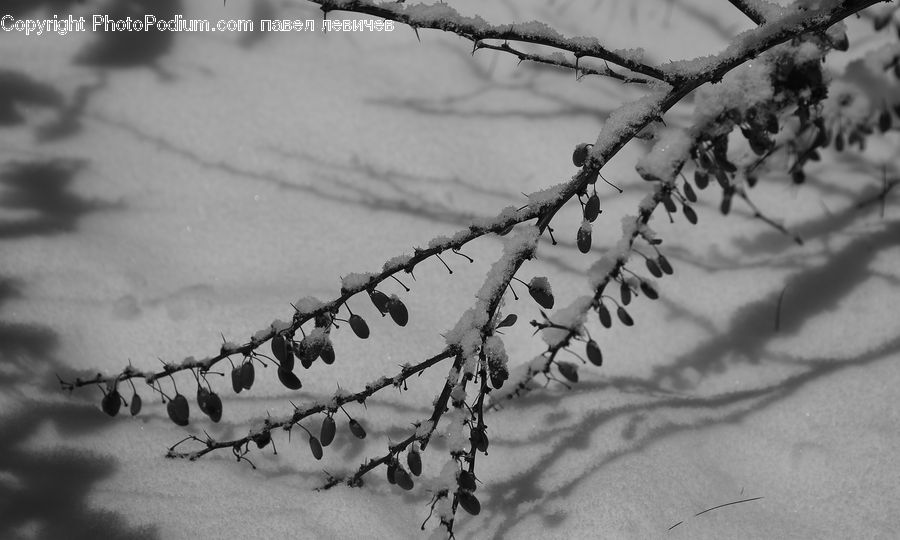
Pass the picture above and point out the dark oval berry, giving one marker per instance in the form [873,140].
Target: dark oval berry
[689,193]
[279,346]
[664,264]
[579,156]
[236,384]
[214,407]
[689,214]
[136,404]
[289,380]
[725,206]
[539,289]
[593,353]
[468,502]
[111,403]
[884,120]
[669,204]
[649,291]
[592,208]
[326,434]
[202,399]
[398,311]
[379,300]
[625,293]
[568,370]
[359,326]
[605,317]
[584,240]
[392,472]
[466,480]
[327,352]
[624,317]
[722,178]
[403,479]
[248,375]
[414,461]
[509,320]
[178,409]
[356,429]
[315,447]
[479,439]
[701,179]
[654,268]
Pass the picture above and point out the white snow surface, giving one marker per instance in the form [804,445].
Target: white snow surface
[155,211]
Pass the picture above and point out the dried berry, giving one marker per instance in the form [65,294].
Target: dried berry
[722,178]
[539,289]
[289,380]
[689,214]
[604,315]
[593,353]
[359,326]
[579,156]
[414,461]
[584,239]
[398,311]
[653,268]
[664,265]
[468,502]
[202,399]
[624,317]
[380,300]
[498,373]
[178,409]
[356,429]
[725,205]
[136,404]
[669,204]
[315,447]
[568,370]
[327,352]
[248,375]
[466,480]
[262,439]
[111,402]
[649,291]
[326,434]
[392,472]
[592,208]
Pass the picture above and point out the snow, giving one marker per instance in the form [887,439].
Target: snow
[219,184]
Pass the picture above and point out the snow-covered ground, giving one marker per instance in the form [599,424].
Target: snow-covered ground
[157,193]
